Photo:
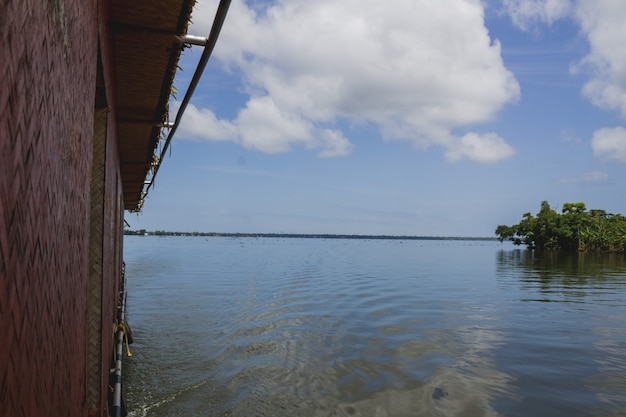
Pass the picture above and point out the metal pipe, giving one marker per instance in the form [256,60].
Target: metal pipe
[218,22]
[144,123]
[192,40]
[121,329]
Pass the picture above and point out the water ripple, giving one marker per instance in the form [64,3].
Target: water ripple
[318,327]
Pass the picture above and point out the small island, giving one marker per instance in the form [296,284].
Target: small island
[576,228]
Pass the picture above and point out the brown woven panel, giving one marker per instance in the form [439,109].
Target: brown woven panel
[94,312]
[46,110]
[146,53]
[58,292]
[112,237]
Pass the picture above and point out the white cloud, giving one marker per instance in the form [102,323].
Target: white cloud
[335,144]
[487,148]
[603,23]
[526,14]
[610,143]
[595,176]
[202,123]
[588,177]
[263,127]
[415,69]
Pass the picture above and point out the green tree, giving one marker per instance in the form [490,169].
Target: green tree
[573,219]
[574,229]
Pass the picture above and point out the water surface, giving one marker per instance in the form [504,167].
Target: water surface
[323,327]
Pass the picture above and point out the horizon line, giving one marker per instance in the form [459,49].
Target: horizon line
[144,232]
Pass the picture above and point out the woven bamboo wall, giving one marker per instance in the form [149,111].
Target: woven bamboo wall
[94,313]
[61,197]
[48,64]
[112,237]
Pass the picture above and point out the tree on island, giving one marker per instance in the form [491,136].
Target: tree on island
[574,229]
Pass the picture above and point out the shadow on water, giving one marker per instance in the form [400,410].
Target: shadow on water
[567,331]
[559,276]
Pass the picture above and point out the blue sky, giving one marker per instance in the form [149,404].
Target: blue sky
[403,117]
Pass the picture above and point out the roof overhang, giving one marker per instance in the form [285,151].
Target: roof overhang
[146,50]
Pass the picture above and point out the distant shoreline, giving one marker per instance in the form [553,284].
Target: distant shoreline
[301,235]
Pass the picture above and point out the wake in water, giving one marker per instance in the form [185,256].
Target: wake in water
[143,410]
[322,328]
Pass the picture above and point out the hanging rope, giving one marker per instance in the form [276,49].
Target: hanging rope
[122,331]
[125,329]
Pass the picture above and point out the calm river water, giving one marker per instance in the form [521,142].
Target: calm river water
[323,327]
